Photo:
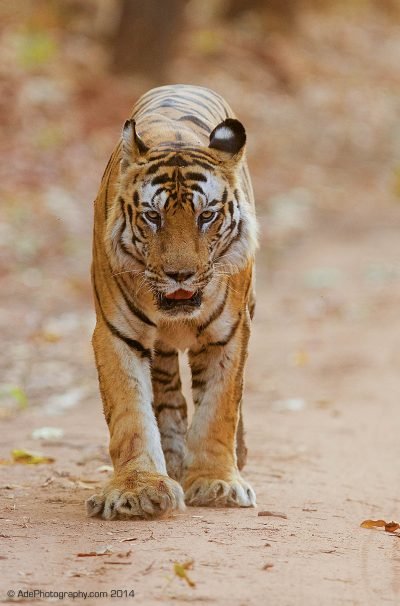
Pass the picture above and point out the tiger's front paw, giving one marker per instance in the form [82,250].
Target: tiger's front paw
[137,494]
[206,490]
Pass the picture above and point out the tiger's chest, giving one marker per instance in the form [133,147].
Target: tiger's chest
[182,337]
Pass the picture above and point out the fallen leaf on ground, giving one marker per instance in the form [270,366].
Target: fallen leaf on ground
[17,394]
[267,566]
[392,527]
[29,458]
[77,573]
[388,526]
[180,570]
[46,336]
[273,514]
[128,539]
[98,552]
[300,358]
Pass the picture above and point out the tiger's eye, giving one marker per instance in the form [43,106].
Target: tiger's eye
[153,216]
[206,216]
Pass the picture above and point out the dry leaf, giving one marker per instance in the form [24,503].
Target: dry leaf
[99,552]
[273,514]
[300,358]
[180,570]
[388,526]
[46,336]
[267,566]
[29,458]
[392,526]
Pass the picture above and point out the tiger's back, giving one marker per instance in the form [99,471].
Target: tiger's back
[174,243]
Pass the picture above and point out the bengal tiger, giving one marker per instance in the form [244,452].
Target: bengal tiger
[175,235]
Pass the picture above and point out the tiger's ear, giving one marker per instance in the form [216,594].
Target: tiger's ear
[229,137]
[132,145]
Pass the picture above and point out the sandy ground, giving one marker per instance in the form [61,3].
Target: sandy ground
[321,407]
[322,429]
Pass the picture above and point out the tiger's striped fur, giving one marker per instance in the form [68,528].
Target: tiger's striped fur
[173,255]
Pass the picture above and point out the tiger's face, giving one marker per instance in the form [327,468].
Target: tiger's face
[182,215]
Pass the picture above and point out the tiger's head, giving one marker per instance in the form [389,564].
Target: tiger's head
[183,216]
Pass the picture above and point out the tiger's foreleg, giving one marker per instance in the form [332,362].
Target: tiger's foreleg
[170,408]
[140,485]
[211,475]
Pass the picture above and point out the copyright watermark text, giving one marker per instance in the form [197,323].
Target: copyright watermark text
[40,594]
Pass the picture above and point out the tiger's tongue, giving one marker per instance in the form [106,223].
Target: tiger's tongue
[180,294]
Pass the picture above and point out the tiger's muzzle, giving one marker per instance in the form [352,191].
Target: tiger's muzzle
[179,301]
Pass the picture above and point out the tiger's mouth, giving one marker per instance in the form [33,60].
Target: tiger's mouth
[180,300]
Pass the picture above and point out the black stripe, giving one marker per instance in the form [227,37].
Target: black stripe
[235,239]
[161,407]
[165,354]
[131,343]
[192,176]
[158,191]
[215,101]
[197,371]
[132,307]
[129,253]
[164,373]
[120,242]
[197,188]
[174,387]
[205,165]
[176,160]
[136,199]
[161,381]
[215,314]
[196,159]
[203,105]
[196,121]
[130,213]
[154,168]
[161,179]
[198,384]
[229,337]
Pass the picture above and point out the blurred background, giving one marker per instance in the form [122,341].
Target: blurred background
[317,85]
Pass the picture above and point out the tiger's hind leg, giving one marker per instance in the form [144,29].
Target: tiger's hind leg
[170,408]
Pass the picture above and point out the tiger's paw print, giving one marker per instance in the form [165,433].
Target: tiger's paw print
[212,492]
[140,494]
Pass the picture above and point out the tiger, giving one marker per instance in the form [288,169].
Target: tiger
[174,241]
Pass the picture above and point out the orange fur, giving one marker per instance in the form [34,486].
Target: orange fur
[175,213]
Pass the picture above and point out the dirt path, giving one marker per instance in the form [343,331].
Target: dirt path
[322,430]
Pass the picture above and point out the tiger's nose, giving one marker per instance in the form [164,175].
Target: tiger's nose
[180,276]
